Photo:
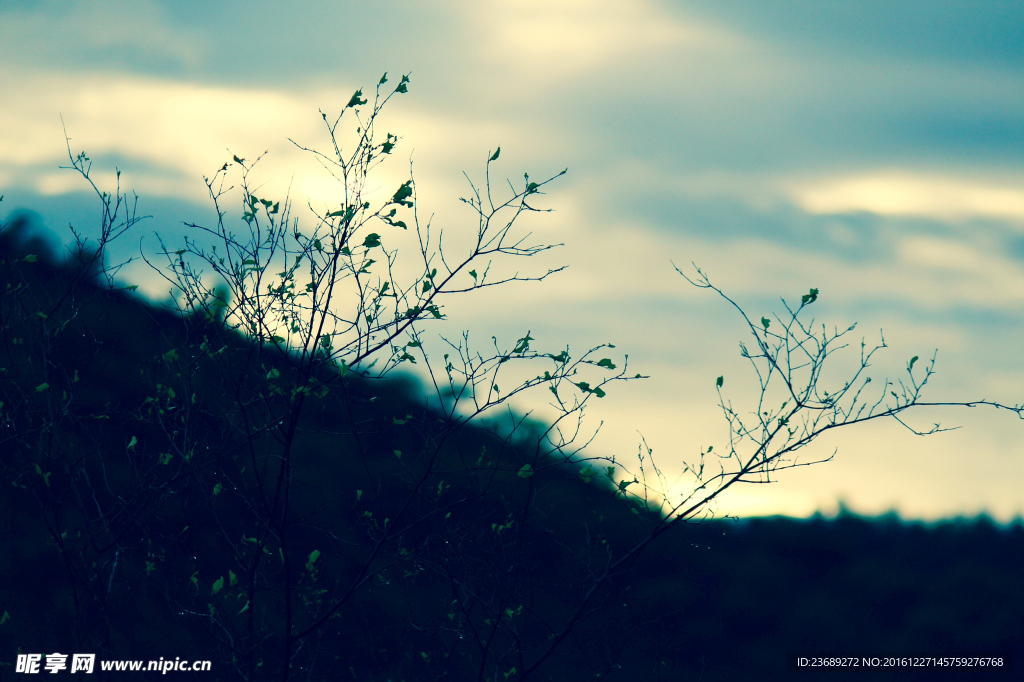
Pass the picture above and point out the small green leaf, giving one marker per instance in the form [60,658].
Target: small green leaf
[42,387]
[356,100]
[912,361]
[218,585]
[606,363]
[402,195]
[232,578]
[313,556]
[719,381]
[810,297]
[765,321]
[494,156]
[372,240]
[132,443]
[472,273]
[523,344]
[6,617]
[217,488]
[31,258]
[526,471]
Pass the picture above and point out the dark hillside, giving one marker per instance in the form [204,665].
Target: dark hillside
[129,522]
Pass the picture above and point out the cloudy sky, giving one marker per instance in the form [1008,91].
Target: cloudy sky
[870,149]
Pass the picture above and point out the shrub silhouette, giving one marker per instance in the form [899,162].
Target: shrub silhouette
[248,479]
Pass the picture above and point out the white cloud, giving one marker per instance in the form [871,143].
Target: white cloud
[908,193]
[178,131]
[175,129]
[556,38]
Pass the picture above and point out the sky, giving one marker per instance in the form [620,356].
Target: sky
[870,150]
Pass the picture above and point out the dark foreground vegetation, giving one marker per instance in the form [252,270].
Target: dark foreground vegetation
[116,540]
[243,476]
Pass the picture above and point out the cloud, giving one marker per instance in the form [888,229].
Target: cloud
[174,131]
[549,40]
[166,133]
[89,32]
[987,34]
[908,193]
